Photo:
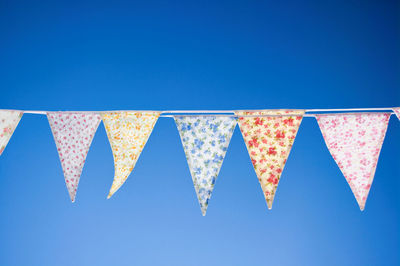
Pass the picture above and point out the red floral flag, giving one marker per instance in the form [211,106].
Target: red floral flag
[269,139]
[73,133]
[354,141]
[397,112]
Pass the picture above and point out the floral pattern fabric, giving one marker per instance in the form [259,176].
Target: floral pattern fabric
[73,133]
[205,140]
[397,112]
[354,141]
[9,120]
[269,140]
[128,133]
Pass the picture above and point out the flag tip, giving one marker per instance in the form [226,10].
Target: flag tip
[72,197]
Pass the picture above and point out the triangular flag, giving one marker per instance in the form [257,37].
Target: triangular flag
[354,141]
[9,120]
[205,140]
[269,139]
[397,112]
[73,133]
[128,133]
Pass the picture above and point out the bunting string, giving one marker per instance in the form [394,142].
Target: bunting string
[354,138]
[232,112]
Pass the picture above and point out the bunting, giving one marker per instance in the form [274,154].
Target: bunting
[9,120]
[73,133]
[397,112]
[205,140]
[354,141]
[269,140]
[127,133]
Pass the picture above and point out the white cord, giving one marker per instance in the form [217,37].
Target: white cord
[305,115]
[229,113]
[349,109]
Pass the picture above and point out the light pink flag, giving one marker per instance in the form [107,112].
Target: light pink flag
[397,112]
[9,120]
[73,133]
[354,141]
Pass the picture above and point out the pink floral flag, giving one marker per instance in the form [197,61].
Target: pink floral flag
[354,141]
[269,139]
[73,133]
[397,112]
[9,120]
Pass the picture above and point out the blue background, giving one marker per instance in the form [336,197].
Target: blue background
[78,55]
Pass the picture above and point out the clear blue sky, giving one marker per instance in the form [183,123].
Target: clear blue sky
[79,55]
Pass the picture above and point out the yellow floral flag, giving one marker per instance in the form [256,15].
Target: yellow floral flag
[269,140]
[128,133]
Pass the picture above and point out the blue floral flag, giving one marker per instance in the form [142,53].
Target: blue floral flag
[205,140]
